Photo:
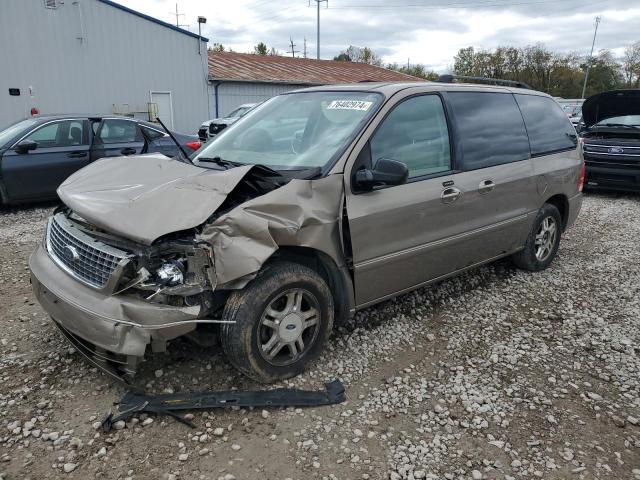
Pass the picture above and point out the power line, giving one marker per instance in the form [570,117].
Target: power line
[443,6]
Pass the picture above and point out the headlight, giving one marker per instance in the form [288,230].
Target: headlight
[170,274]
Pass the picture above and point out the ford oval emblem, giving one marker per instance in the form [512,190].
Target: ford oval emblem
[70,253]
[616,150]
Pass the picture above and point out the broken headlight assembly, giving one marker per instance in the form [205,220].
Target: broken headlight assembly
[171,274]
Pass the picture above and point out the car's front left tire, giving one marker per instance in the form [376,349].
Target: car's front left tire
[281,321]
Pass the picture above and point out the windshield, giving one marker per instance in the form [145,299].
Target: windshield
[623,120]
[294,131]
[14,130]
[238,112]
[572,109]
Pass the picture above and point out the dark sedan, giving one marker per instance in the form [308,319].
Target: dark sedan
[38,154]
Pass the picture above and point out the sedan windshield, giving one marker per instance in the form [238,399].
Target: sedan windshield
[621,120]
[14,130]
[293,131]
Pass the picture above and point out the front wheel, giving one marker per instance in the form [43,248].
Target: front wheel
[543,241]
[282,319]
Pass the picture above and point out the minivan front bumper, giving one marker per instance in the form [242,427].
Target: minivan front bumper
[108,326]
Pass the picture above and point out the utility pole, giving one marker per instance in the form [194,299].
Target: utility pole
[305,47]
[318,2]
[586,75]
[293,52]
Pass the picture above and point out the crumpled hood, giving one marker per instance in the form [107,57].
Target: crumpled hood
[144,197]
[614,103]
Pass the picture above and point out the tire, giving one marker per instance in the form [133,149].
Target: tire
[287,302]
[534,257]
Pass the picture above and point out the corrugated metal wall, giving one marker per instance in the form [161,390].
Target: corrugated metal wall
[232,94]
[86,56]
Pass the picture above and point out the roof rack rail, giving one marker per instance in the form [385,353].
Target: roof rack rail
[496,81]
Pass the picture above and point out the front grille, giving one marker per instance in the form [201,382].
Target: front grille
[87,259]
[216,128]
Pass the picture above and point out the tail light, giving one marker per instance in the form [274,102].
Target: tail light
[195,145]
[583,172]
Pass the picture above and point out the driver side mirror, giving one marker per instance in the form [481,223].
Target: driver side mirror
[26,146]
[387,172]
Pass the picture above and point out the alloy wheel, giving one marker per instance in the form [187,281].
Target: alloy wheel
[546,238]
[288,327]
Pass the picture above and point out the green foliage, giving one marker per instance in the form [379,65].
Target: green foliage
[261,49]
[416,70]
[359,55]
[558,74]
[217,47]
[631,65]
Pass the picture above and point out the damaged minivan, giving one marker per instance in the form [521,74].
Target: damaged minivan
[316,204]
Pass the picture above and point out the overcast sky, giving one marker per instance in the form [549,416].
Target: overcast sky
[424,31]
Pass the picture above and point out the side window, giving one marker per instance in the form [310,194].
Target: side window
[65,133]
[416,134]
[547,124]
[151,133]
[119,131]
[491,129]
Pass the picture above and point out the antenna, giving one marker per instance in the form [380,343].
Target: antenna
[293,52]
[178,15]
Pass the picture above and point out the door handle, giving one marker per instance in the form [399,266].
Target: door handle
[486,186]
[77,154]
[450,195]
[128,151]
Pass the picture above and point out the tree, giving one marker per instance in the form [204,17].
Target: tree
[359,55]
[217,47]
[261,49]
[343,57]
[631,65]
[604,74]
[416,70]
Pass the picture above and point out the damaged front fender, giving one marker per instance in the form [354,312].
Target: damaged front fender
[302,213]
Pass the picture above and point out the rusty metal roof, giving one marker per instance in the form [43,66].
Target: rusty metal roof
[247,67]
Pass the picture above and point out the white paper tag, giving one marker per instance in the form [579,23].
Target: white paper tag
[350,105]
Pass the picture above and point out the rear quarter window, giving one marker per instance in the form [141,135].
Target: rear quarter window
[547,124]
[490,128]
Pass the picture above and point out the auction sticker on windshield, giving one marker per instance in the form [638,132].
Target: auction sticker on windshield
[349,105]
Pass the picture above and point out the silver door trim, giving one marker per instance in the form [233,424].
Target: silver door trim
[419,248]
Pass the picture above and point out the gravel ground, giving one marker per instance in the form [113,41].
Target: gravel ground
[497,374]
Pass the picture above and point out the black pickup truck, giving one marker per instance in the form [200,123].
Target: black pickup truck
[611,135]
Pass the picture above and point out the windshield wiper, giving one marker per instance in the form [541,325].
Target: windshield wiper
[220,161]
[626,125]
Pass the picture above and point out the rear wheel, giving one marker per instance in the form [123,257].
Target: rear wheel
[543,241]
[282,319]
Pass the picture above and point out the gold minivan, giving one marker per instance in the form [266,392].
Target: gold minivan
[316,204]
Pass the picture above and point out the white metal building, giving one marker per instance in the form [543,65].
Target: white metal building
[96,56]
[237,78]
